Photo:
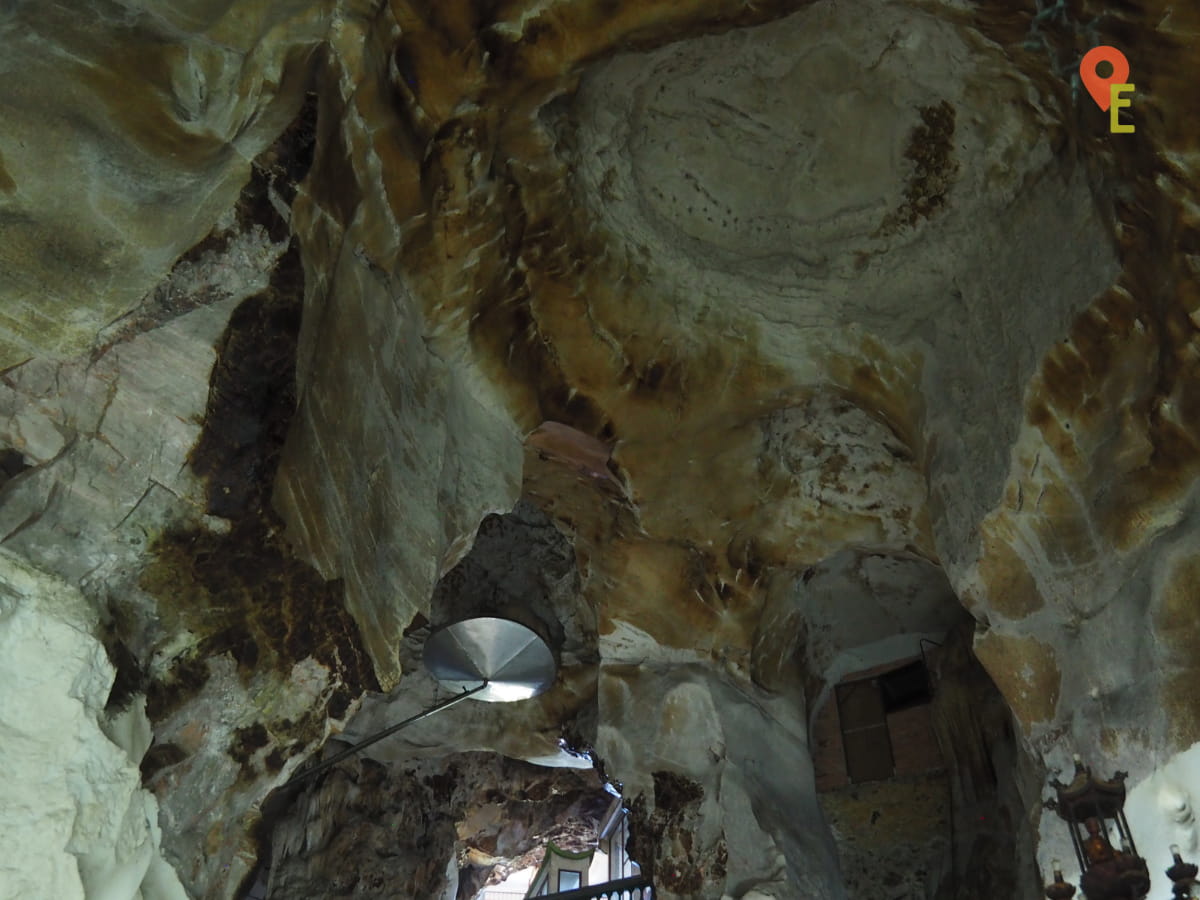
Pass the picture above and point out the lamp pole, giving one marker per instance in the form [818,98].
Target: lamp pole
[305,774]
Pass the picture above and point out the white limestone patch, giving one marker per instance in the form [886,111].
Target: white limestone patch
[74,819]
[770,157]
[833,455]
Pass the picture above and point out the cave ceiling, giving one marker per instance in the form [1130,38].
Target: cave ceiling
[725,344]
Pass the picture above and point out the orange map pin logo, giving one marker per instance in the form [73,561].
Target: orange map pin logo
[1099,86]
[1106,88]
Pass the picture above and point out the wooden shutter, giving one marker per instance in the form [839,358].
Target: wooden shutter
[865,739]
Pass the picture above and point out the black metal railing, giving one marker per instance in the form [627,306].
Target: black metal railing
[636,888]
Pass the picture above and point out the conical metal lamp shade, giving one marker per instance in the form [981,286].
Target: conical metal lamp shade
[512,659]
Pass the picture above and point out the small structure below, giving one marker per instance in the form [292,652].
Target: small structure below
[562,871]
[603,871]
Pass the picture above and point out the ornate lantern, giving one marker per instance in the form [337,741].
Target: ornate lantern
[1059,889]
[1088,805]
[1182,875]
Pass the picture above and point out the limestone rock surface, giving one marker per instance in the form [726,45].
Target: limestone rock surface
[734,346]
[441,828]
[75,821]
[129,129]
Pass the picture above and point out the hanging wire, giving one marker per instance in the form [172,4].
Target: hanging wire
[305,774]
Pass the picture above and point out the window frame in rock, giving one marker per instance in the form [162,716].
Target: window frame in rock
[868,730]
[903,687]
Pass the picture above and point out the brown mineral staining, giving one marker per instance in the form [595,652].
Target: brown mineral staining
[1181,702]
[673,793]
[284,738]
[155,129]
[931,151]
[1026,672]
[243,592]
[186,678]
[443,167]
[681,868]
[1134,349]
[1175,619]
[884,383]
[275,760]
[159,757]
[247,740]
[1012,590]
[667,595]
[215,838]
[1116,418]
[277,172]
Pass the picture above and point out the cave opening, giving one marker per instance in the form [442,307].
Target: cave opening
[488,790]
[550,869]
[471,825]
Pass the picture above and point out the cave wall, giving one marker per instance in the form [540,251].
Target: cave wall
[894,837]
[129,130]
[925,310]
[701,754]
[398,448]
[75,821]
[438,828]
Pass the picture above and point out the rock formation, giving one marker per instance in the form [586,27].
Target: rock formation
[737,348]
[437,828]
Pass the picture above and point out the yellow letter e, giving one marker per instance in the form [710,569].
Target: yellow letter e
[1116,103]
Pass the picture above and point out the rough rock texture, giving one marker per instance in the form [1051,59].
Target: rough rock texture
[74,819]
[893,837]
[243,654]
[701,751]
[995,785]
[1077,571]
[129,130]
[442,828]
[776,316]
[261,658]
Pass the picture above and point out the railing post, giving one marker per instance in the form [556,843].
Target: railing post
[636,888]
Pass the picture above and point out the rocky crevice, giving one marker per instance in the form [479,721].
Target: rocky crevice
[444,827]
